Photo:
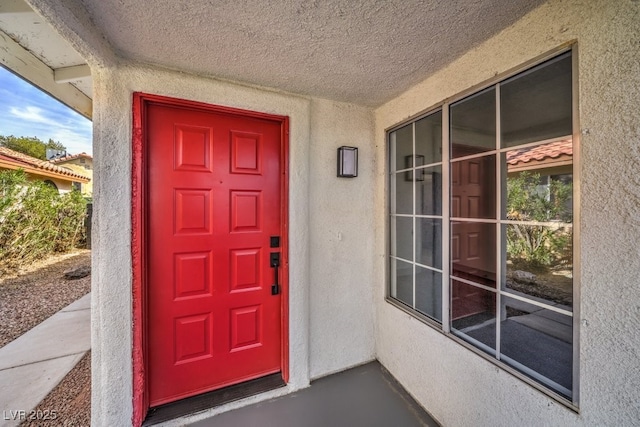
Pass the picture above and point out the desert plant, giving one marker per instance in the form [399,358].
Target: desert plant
[527,200]
[36,221]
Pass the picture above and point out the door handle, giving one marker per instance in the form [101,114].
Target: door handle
[274,261]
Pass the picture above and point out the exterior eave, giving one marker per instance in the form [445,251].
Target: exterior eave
[42,172]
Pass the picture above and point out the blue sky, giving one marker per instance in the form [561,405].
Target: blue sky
[27,111]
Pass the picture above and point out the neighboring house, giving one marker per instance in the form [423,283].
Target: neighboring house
[551,161]
[210,188]
[61,178]
[81,163]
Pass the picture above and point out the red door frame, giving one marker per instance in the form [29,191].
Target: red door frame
[138,235]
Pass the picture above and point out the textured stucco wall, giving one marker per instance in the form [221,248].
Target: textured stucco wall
[455,385]
[315,128]
[63,186]
[87,188]
[459,387]
[341,242]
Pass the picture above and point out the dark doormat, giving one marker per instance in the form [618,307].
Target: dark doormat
[201,402]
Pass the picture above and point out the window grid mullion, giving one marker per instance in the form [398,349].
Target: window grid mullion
[429,216]
[499,263]
[400,258]
[446,222]
[437,270]
[393,265]
[499,221]
[474,156]
[530,301]
[430,165]
[474,284]
[394,176]
[413,162]
[508,221]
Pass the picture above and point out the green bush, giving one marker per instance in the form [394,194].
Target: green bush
[36,221]
[533,246]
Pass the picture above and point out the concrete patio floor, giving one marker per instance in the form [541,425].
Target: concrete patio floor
[363,396]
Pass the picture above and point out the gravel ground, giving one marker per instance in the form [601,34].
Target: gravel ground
[35,295]
[71,399]
[25,301]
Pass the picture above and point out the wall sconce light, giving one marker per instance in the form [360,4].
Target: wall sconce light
[408,163]
[347,162]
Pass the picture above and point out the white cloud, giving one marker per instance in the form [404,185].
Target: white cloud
[27,111]
[32,114]
[74,141]
[73,132]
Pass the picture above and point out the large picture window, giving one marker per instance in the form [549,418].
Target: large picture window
[416,215]
[481,223]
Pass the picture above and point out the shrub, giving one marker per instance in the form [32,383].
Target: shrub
[36,221]
[533,246]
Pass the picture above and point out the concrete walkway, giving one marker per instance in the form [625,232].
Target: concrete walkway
[34,364]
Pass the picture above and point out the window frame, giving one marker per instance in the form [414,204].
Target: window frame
[445,326]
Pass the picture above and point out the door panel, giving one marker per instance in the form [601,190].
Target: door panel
[213,204]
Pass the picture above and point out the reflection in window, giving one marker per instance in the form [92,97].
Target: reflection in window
[539,342]
[539,182]
[416,215]
[402,281]
[539,233]
[540,262]
[402,232]
[473,312]
[509,212]
[429,293]
[473,188]
[429,242]
[402,144]
[429,138]
[473,124]
[546,113]
[535,257]
[402,191]
[429,191]
[473,252]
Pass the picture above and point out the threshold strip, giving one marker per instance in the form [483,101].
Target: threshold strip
[212,399]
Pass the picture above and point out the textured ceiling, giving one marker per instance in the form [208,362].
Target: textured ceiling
[359,51]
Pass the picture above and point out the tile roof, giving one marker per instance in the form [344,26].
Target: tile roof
[552,150]
[21,159]
[71,157]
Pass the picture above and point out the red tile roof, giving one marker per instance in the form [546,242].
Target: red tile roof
[552,150]
[71,157]
[27,162]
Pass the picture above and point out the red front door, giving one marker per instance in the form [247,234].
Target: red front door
[214,202]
